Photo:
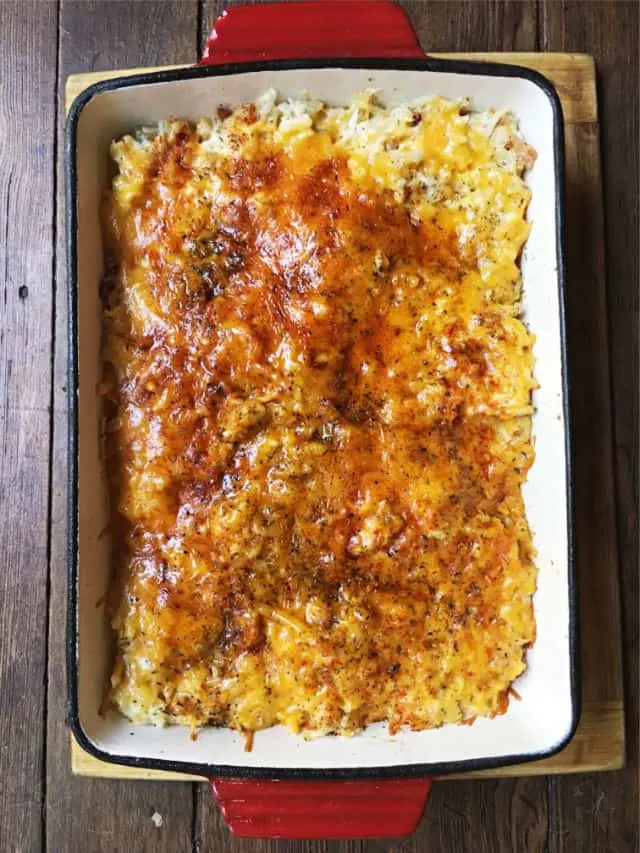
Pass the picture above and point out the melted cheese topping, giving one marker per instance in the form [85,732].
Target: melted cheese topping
[318,392]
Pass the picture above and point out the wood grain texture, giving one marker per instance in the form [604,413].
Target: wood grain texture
[26,171]
[491,25]
[92,816]
[596,543]
[600,813]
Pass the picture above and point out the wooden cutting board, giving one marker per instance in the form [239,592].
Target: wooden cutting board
[599,741]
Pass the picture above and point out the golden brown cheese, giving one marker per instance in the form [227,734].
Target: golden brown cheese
[318,395]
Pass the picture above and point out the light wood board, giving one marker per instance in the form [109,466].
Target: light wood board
[599,743]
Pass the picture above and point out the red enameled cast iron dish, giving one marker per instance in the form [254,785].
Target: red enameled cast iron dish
[372,784]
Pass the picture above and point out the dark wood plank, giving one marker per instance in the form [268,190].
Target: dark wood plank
[461,816]
[591,421]
[27,43]
[600,812]
[486,818]
[478,25]
[98,815]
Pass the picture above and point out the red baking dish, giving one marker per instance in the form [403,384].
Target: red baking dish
[373,784]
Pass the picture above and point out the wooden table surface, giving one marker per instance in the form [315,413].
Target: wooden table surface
[42,806]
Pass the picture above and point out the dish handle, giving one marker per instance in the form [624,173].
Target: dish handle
[311,30]
[272,808]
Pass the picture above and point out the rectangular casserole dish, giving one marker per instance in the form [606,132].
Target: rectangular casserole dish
[546,718]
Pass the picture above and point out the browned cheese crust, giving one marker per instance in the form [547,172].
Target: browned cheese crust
[318,391]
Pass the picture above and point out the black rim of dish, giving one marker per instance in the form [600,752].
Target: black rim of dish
[467,67]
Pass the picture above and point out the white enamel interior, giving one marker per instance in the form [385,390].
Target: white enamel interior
[542,720]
